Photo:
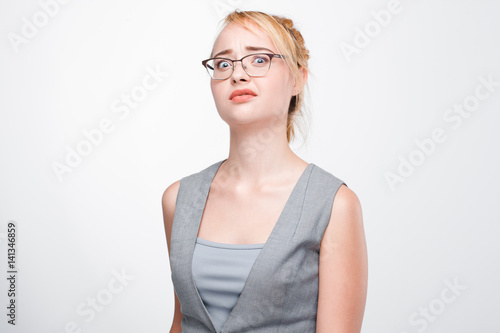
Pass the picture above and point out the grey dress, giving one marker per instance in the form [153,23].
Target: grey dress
[280,293]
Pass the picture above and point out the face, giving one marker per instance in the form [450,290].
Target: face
[273,90]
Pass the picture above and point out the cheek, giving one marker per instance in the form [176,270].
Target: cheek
[219,97]
[282,90]
[282,84]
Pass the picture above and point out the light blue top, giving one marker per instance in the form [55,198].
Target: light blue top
[220,271]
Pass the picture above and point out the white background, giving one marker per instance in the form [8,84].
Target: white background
[367,112]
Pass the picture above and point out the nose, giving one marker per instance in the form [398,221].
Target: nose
[238,72]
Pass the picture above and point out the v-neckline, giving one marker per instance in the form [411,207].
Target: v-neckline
[209,179]
[287,203]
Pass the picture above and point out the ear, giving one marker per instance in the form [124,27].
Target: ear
[298,86]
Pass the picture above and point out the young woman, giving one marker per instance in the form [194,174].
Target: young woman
[263,241]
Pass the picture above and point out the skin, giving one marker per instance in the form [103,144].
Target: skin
[250,189]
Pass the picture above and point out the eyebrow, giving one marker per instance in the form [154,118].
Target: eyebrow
[248,48]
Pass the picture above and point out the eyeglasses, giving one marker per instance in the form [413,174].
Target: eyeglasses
[256,64]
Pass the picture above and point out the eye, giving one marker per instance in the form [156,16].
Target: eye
[222,64]
[260,60]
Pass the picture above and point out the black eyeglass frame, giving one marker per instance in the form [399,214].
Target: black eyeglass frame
[270,55]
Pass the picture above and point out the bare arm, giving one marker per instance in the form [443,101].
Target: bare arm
[168,206]
[343,268]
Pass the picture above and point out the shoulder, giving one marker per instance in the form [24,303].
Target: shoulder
[346,202]
[169,196]
[343,195]
[168,203]
[346,219]
[345,210]
[324,179]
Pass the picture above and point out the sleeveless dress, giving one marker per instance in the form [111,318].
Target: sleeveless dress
[280,293]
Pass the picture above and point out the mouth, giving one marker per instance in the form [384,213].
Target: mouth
[242,98]
[242,95]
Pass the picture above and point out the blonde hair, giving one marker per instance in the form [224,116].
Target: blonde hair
[290,43]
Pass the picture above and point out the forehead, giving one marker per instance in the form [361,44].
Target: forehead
[236,37]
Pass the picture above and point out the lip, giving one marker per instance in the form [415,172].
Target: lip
[242,98]
[240,92]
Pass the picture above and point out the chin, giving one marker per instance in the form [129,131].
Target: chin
[243,115]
